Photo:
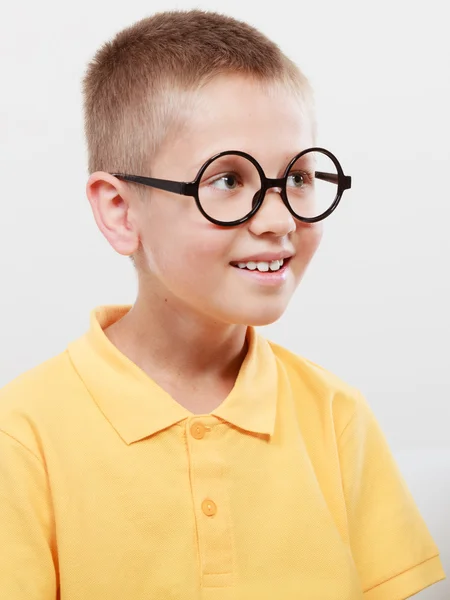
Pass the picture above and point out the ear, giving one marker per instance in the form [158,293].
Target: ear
[110,200]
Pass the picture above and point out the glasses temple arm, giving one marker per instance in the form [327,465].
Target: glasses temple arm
[334,178]
[176,187]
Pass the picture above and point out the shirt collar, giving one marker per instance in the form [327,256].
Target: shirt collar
[137,407]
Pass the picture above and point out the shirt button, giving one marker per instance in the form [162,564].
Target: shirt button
[209,508]
[198,431]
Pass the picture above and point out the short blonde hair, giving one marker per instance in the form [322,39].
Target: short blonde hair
[132,86]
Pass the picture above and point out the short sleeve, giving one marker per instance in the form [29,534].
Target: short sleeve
[393,550]
[27,565]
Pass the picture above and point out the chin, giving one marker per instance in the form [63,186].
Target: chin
[263,321]
[257,318]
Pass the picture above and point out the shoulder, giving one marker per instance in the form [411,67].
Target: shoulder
[36,396]
[317,375]
[317,387]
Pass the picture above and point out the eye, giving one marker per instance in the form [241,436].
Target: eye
[226,182]
[296,180]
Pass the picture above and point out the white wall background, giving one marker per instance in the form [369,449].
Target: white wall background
[374,306]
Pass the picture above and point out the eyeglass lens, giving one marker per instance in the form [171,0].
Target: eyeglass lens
[231,184]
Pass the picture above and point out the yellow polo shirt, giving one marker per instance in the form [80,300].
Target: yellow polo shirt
[110,490]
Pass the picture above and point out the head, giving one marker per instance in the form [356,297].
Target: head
[160,99]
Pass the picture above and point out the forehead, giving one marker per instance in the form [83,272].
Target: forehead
[238,113]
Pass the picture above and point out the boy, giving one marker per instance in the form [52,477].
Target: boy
[171,452]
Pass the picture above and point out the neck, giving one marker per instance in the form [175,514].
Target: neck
[174,343]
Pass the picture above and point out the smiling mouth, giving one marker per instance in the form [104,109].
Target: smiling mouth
[262,266]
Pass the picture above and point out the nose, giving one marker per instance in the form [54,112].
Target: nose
[273,216]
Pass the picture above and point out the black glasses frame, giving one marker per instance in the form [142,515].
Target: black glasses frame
[191,188]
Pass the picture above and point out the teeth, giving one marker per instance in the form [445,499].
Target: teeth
[275,265]
[262,266]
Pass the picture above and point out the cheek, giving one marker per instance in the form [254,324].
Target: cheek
[307,241]
[186,252]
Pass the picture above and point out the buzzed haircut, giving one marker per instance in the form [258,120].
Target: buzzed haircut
[134,87]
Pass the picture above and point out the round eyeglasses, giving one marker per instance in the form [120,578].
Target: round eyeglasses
[231,186]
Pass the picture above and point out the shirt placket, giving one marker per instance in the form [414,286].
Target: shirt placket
[211,502]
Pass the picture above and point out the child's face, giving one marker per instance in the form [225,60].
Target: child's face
[190,260]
